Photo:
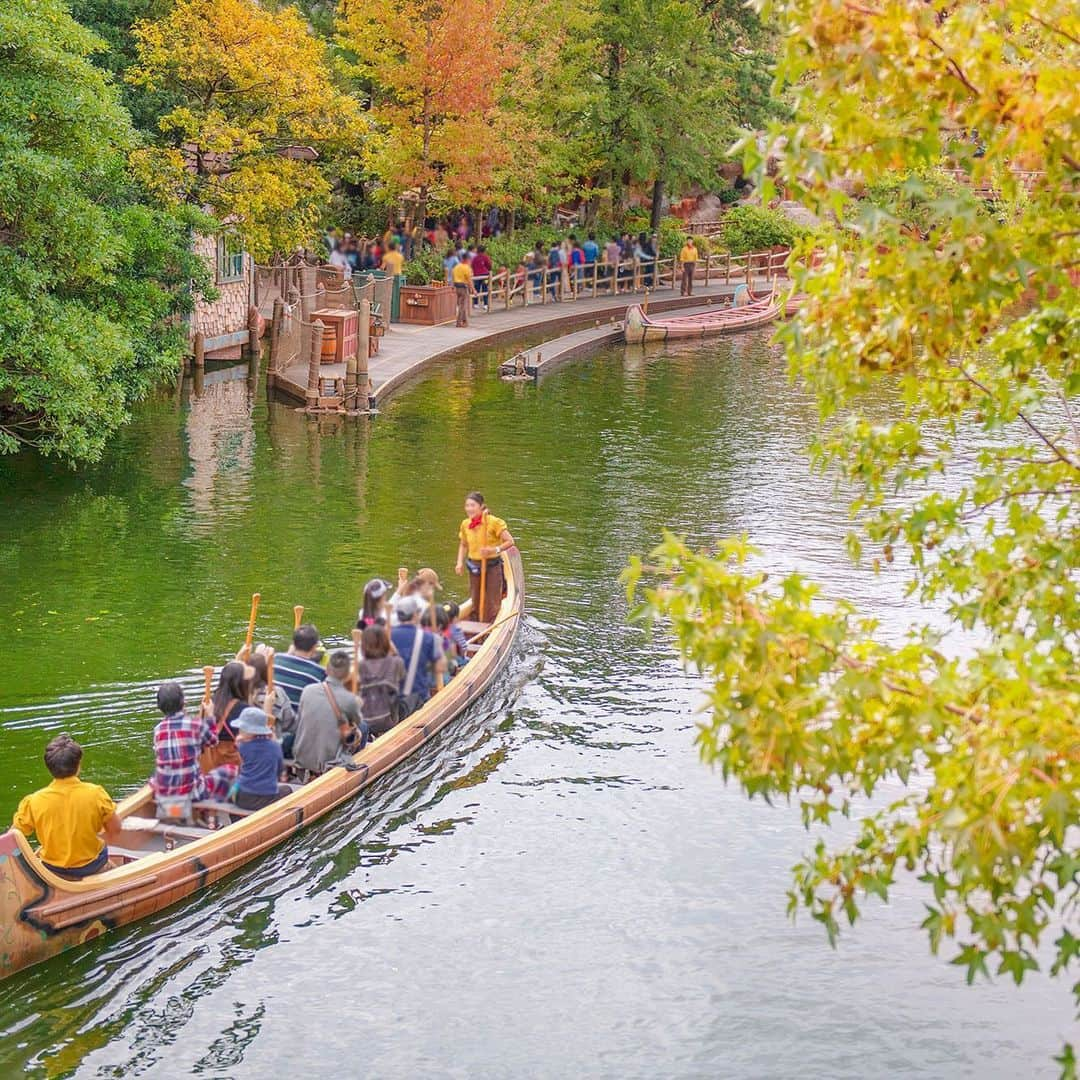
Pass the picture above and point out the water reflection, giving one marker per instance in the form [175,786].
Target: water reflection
[220,443]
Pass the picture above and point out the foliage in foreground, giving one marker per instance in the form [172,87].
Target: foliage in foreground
[973,318]
[89,265]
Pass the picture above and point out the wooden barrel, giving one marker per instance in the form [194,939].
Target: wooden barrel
[329,344]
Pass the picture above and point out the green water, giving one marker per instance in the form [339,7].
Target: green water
[556,886]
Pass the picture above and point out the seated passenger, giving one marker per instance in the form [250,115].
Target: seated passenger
[230,699]
[179,742]
[374,610]
[456,634]
[69,815]
[421,652]
[280,708]
[300,667]
[261,762]
[323,708]
[455,654]
[381,675]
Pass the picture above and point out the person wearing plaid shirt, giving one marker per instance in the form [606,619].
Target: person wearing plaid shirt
[178,741]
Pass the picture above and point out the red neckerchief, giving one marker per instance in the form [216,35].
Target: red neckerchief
[476,522]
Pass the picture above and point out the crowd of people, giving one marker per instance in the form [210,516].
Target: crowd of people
[252,740]
[547,271]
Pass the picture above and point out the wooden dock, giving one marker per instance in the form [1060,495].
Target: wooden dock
[407,351]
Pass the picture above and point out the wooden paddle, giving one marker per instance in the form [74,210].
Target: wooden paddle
[357,634]
[255,598]
[487,629]
[297,615]
[483,588]
[208,676]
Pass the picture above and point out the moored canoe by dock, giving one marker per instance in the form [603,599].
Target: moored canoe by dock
[639,328]
[42,914]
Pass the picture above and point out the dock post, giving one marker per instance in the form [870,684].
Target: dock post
[253,331]
[275,341]
[307,282]
[199,360]
[363,345]
[314,360]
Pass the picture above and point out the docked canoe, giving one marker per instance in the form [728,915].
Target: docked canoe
[42,914]
[639,328]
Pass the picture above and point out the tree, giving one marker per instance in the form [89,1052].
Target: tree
[90,266]
[434,94]
[680,77]
[973,317]
[250,85]
[112,20]
[552,98]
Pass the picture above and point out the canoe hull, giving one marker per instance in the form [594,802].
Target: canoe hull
[42,914]
[638,328]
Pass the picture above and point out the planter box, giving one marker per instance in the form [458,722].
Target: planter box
[428,305]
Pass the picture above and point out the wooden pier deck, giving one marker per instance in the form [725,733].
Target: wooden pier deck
[406,351]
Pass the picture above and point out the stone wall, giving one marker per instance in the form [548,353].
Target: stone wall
[229,312]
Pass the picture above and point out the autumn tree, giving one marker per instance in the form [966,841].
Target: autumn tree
[91,267]
[250,84]
[969,312]
[434,70]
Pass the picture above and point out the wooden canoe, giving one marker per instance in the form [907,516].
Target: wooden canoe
[42,914]
[639,328]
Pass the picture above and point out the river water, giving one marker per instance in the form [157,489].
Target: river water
[556,886]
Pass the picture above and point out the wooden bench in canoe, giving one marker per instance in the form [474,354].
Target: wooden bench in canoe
[639,328]
[42,914]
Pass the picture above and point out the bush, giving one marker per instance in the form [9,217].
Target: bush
[918,200]
[425,268]
[755,228]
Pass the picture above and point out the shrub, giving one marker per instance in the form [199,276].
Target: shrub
[755,228]
[425,268]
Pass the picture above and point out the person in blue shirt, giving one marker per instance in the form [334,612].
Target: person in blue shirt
[450,260]
[591,249]
[421,652]
[261,762]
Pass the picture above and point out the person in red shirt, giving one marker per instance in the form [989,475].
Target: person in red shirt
[481,268]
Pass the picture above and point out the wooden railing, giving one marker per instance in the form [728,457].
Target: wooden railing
[524,287]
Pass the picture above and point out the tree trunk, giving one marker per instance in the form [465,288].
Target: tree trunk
[421,206]
[657,204]
[510,222]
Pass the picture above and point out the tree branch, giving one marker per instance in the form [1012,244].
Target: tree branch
[1036,431]
[1049,492]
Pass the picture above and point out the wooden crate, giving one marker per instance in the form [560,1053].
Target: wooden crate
[345,326]
[428,305]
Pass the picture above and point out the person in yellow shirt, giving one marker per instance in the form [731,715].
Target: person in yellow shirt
[393,260]
[482,538]
[688,260]
[462,277]
[69,815]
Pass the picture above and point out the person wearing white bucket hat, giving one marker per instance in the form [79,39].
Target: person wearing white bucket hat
[261,762]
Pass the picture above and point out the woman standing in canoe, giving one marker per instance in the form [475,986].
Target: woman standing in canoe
[483,537]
